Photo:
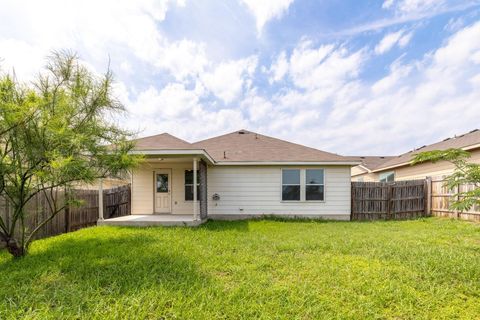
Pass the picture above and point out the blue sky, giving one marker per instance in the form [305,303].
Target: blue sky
[351,77]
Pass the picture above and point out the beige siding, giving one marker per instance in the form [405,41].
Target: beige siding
[360,174]
[420,171]
[254,190]
[143,188]
[357,170]
[366,177]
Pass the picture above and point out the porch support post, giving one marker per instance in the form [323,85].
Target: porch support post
[100,200]
[195,196]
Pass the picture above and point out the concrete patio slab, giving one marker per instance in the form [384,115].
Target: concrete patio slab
[150,220]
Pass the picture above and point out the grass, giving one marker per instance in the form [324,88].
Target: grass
[267,269]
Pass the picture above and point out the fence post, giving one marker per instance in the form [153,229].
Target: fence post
[457,190]
[351,200]
[428,196]
[389,200]
[100,200]
[67,212]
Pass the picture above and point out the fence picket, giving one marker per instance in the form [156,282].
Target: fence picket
[72,218]
[381,200]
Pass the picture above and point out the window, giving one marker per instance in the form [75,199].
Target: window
[387,176]
[290,184]
[314,184]
[189,185]
[162,182]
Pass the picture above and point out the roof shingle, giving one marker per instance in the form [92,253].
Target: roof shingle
[462,141]
[242,146]
[162,141]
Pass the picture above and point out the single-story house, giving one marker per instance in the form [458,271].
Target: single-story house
[400,167]
[239,175]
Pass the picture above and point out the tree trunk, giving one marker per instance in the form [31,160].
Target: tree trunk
[14,249]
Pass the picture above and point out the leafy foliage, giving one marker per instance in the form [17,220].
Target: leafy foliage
[465,173]
[55,133]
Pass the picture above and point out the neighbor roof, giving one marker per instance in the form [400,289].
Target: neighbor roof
[372,162]
[466,141]
[243,146]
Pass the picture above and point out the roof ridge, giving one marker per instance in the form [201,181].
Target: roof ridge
[222,135]
[269,137]
[162,134]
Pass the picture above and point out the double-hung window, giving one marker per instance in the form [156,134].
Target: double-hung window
[303,185]
[189,185]
[290,184]
[314,185]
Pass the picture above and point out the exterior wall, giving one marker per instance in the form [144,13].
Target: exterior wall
[357,170]
[420,171]
[247,191]
[143,187]
[366,177]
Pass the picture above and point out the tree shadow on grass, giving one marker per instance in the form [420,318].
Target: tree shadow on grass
[85,271]
[220,226]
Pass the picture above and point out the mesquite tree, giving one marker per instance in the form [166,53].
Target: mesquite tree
[465,173]
[54,133]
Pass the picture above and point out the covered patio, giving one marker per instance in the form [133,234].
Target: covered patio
[168,189]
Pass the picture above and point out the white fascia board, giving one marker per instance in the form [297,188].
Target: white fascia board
[174,152]
[365,168]
[287,163]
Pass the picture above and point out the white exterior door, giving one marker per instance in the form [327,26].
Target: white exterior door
[163,194]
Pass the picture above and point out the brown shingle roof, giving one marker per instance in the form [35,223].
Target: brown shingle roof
[244,145]
[462,141]
[162,141]
[372,162]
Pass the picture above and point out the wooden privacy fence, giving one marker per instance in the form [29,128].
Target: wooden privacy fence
[442,198]
[393,200]
[116,201]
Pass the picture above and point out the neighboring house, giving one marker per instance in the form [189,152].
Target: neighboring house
[239,175]
[400,167]
[363,172]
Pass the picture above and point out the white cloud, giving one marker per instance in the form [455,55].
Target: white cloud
[113,27]
[174,101]
[279,68]
[182,58]
[414,104]
[413,6]
[323,102]
[454,24]
[326,67]
[180,111]
[391,81]
[20,57]
[387,4]
[399,38]
[265,10]
[228,79]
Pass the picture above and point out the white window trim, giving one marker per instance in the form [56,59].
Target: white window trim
[303,178]
[315,184]
[282,184]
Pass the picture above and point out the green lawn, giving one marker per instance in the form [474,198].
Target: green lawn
[426,268]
